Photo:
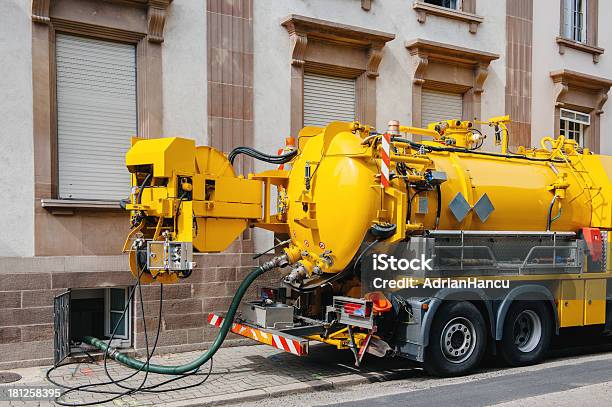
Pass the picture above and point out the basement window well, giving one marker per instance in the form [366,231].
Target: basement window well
[97,311]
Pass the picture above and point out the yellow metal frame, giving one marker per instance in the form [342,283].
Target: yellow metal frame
[341,339]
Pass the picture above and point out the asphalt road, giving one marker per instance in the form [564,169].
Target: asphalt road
[497,390]
[571,376]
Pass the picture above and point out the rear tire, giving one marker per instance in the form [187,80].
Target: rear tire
[527,333]
[457,340]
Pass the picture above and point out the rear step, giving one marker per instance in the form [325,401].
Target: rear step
[280,340]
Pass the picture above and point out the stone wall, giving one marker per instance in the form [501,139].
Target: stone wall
[28,285]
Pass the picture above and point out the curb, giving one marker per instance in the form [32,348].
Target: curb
[328,383]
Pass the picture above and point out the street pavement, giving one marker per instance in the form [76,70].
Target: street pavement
[239,374]
[252,375]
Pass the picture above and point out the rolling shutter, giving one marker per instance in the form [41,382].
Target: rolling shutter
[328,99]
[437,106]
[96,116]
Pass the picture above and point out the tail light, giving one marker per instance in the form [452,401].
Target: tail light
[355,309]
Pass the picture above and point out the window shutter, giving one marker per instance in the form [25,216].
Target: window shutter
[96,116]
[437,106]
[328,99]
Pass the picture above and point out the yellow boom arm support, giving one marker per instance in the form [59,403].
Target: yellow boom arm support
[188,194]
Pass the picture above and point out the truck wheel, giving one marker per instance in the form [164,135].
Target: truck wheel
[527,333]
[457,340]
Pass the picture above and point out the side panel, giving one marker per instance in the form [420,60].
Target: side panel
[571,303]
[595,302]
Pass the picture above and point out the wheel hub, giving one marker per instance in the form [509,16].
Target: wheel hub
[458,340]
[527,331]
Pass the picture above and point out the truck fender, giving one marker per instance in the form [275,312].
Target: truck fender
[438,299]
[512,295]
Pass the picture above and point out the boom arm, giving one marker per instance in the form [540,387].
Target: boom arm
[187,198]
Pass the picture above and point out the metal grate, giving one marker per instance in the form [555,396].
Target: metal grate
[61,327]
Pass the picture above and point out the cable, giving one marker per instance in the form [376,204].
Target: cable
[439,207]
[549,218]
[462,150]
[127,389]
[178,208]
[258,255]
[482,139]
[368,247]
[199,361]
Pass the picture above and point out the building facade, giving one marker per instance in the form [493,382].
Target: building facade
[81,77]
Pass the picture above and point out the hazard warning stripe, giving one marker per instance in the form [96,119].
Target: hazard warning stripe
[386,160]
[278,341]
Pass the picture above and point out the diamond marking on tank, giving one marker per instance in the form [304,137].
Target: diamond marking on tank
[484,208]
[460,207]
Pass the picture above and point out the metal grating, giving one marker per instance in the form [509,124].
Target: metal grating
[61,327]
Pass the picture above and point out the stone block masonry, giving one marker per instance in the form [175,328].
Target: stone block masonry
[28,286]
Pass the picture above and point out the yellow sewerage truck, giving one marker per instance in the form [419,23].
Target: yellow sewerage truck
[513,245]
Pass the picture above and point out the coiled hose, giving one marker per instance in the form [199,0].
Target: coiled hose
[195,364]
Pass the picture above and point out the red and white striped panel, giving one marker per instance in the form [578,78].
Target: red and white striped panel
[386,160]
[296,347]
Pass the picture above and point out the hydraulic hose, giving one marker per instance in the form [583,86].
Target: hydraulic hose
[464,150]
[195,364]
[251,152]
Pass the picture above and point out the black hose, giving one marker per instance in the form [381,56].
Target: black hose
[251,152]
[481,140]
[549,219]
[128,390]
[462,150]
[141,188]
[439,207]
[363,252]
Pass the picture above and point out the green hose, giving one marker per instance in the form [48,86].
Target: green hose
[193,365]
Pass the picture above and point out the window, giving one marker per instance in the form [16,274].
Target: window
[573,125]
[97,311]
[115,301]
[575,20]
[96,116]
[453,4]
[328,99]
[437,106]
[461,10]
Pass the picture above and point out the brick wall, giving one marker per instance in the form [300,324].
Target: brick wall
[28,285]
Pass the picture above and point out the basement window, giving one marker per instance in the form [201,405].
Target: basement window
[96,312]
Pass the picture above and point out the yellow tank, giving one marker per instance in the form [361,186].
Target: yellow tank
[329,218]
[335,192]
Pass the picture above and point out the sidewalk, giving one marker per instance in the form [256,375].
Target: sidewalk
[239,374]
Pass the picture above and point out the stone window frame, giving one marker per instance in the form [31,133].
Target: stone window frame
[137,22]
[583,93]
[448,68]
[361,52]
[592,31]
[467,13]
